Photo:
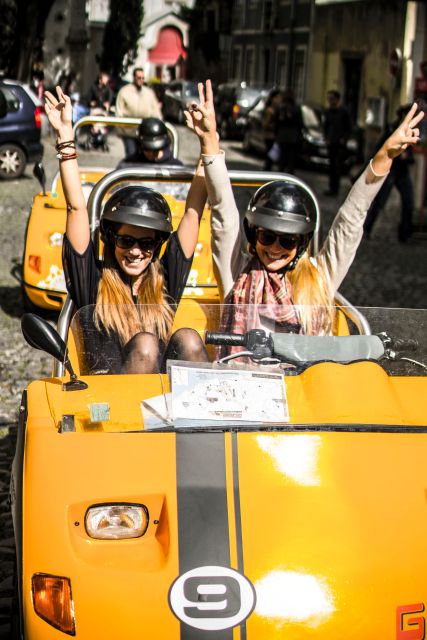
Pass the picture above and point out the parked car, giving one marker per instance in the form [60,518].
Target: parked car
[176,97]
[314,151]
[233,102]
[20,128]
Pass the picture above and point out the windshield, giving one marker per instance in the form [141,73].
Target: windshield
[255,369]
[191,90]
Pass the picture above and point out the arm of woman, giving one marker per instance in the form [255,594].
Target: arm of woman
[188,229]
[339,249]
[59,112]
[225,239]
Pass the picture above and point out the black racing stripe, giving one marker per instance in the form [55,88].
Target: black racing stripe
[202,510]
[238,519]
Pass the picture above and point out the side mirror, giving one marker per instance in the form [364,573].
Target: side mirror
[39,173]
[3,105]
[41,335]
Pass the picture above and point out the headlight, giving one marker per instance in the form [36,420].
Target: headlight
[53,602]
[116,521]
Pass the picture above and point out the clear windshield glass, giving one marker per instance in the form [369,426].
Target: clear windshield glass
[247,366]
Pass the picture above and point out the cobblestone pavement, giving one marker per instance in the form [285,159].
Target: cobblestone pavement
[384,273]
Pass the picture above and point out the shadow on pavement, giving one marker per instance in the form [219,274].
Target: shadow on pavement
[11,301]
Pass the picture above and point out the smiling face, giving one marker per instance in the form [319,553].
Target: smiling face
[134,261]
[274,257]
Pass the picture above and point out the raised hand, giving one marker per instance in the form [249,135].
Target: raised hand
[201,117]
[407,133]
[58,110]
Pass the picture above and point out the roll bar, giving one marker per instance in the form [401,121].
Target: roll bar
[115,121]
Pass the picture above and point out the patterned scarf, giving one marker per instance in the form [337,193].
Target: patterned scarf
[259,299]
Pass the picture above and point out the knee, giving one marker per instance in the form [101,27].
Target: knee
[145,345]
[188,345]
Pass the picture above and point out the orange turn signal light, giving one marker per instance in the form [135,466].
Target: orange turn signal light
[34,262]
[53,602]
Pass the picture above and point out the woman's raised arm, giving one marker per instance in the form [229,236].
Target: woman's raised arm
[59,112]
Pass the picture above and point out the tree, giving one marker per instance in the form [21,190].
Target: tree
[121,35]
[21,35]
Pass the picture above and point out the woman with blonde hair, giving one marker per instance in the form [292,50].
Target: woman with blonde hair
[279,224]
[133,290]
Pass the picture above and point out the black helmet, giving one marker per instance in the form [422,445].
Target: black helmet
[283,207]
[139,206]
[153,134]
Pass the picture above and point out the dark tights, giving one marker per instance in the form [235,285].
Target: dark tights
[145,354]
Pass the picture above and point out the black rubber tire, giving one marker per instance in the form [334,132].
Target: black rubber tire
[181,117]
[246,145]
[12,161]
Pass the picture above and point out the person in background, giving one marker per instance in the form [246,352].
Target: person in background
[399,177]
[100,93]
[135,100]
[269,125]
[153,146]
[279,224]
[337,128]
[288,131]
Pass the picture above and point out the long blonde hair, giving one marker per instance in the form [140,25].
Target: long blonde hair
[152,312]
[311,293]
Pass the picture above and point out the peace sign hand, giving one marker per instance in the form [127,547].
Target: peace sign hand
[407,133]
[201,117]
[59,112]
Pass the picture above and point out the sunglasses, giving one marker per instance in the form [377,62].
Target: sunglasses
[147,245]
[286,240]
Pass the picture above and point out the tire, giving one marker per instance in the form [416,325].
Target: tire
[246,145]
[180,117]
[12,161]
[223,130]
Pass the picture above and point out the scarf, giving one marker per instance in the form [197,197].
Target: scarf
[259,299]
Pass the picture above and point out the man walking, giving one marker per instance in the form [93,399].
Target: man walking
[337,130]
[135,100]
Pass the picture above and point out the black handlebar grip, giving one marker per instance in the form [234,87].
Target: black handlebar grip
[227,339]
[405,345]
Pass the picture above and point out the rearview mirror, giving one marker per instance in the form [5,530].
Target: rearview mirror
[39,173]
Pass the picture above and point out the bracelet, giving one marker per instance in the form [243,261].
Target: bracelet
[68,156]
[377,175]
[206,164]
[61,145]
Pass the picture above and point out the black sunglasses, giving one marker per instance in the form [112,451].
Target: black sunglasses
[286,240]
[149,245]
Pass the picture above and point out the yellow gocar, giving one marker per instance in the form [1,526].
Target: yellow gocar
[284,497]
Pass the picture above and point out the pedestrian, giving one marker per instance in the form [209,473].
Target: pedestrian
[135,100]
[153,146]
[280,220]
[337,129]
[289,126]
[269,125]
[399,177]
[100,93]
[132,295]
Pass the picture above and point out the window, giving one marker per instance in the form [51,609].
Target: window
[250,64]
[11,100]
[281,66]
[236,70]
[299,73]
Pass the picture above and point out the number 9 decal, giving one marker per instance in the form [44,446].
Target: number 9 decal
[212,598]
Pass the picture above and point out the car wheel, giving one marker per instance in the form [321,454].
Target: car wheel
[181,116]
[223,130]
[246,142]
[12,161]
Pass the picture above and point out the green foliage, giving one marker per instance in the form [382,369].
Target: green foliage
[121,35]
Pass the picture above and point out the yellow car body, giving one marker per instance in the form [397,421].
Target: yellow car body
[314,528]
